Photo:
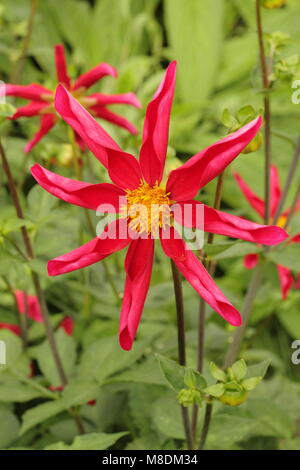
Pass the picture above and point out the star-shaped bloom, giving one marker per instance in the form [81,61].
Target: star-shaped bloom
[286,278]
[41,99]
[138,182]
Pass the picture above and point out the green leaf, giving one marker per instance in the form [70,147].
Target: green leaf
[238,249]
[92,441]
[6,110]
[251,384]
[216,390]
[40,202]
[105,357]
[17,392]
[173,372]
[14,223]
[258,370]
[217,373]
[195,34]
[166,422]
[9,428]
[289,256]
[67,350]
[228,119]
[79,393]
[225,430]
[40,413]
[239,369]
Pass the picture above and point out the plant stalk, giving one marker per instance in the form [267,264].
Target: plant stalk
[267,110]
[181,343]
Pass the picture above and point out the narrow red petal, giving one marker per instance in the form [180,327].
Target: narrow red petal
[195,273]
[230,225]
[28,304]
[286,280]
[156,128]
[275,189]
[94,136]
[185,181]
[251,260]
[124,170]
[92,252]
[94,75]
[107,115]
[61,66]
[255,202]
[31,109]
[138,267]
[77,192]
[123,98]
[47,122]
[30,92]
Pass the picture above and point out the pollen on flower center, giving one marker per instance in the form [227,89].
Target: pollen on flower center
[281,221]
[148,208]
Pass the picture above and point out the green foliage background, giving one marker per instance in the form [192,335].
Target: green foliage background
[215,45]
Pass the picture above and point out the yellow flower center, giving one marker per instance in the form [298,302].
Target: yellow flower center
[281,221]
[148,208]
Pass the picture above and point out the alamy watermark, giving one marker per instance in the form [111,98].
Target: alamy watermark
[296,354]
[2,92]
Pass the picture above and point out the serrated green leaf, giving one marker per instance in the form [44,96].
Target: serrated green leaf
[239,369]
[217,373]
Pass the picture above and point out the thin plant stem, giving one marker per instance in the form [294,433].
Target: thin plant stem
[206,424]
[34,276]
[18,69]
[177,282]
[202,305]
[234,347]
[267,109]
[290,176]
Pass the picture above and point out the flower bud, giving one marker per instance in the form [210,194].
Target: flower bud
[189,396]
[254,145]
[234,397]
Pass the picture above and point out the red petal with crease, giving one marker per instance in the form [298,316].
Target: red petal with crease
[286,280]
[195,273]
[123,98]
[251,260]
[28,304]
[255,202]
[229,225]
[138,266]
[28,92]
[47,122]
[61,65]
[185,181]
[77,192]
[92,76]
[30,109]
[92,252]
[295,239]
[124,170]
[95,137]
[156,128]
[104,113]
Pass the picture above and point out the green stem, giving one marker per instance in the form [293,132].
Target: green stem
[18,69]
[267,109]
[177,282]
[34,276]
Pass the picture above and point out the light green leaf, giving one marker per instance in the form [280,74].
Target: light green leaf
[79,393]
[173,373]
[216,390]
[92,441]
[67,350]
[40,413]
[195,34]
[9,428]
[239,369]
[217,373]
[258,370]
[251,384]
[289,256]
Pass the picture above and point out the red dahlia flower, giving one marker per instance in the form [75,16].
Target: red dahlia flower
[139,183]
[286,278]
[42,100]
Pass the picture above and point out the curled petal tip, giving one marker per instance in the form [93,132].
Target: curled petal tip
[125,340]
[279,235]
